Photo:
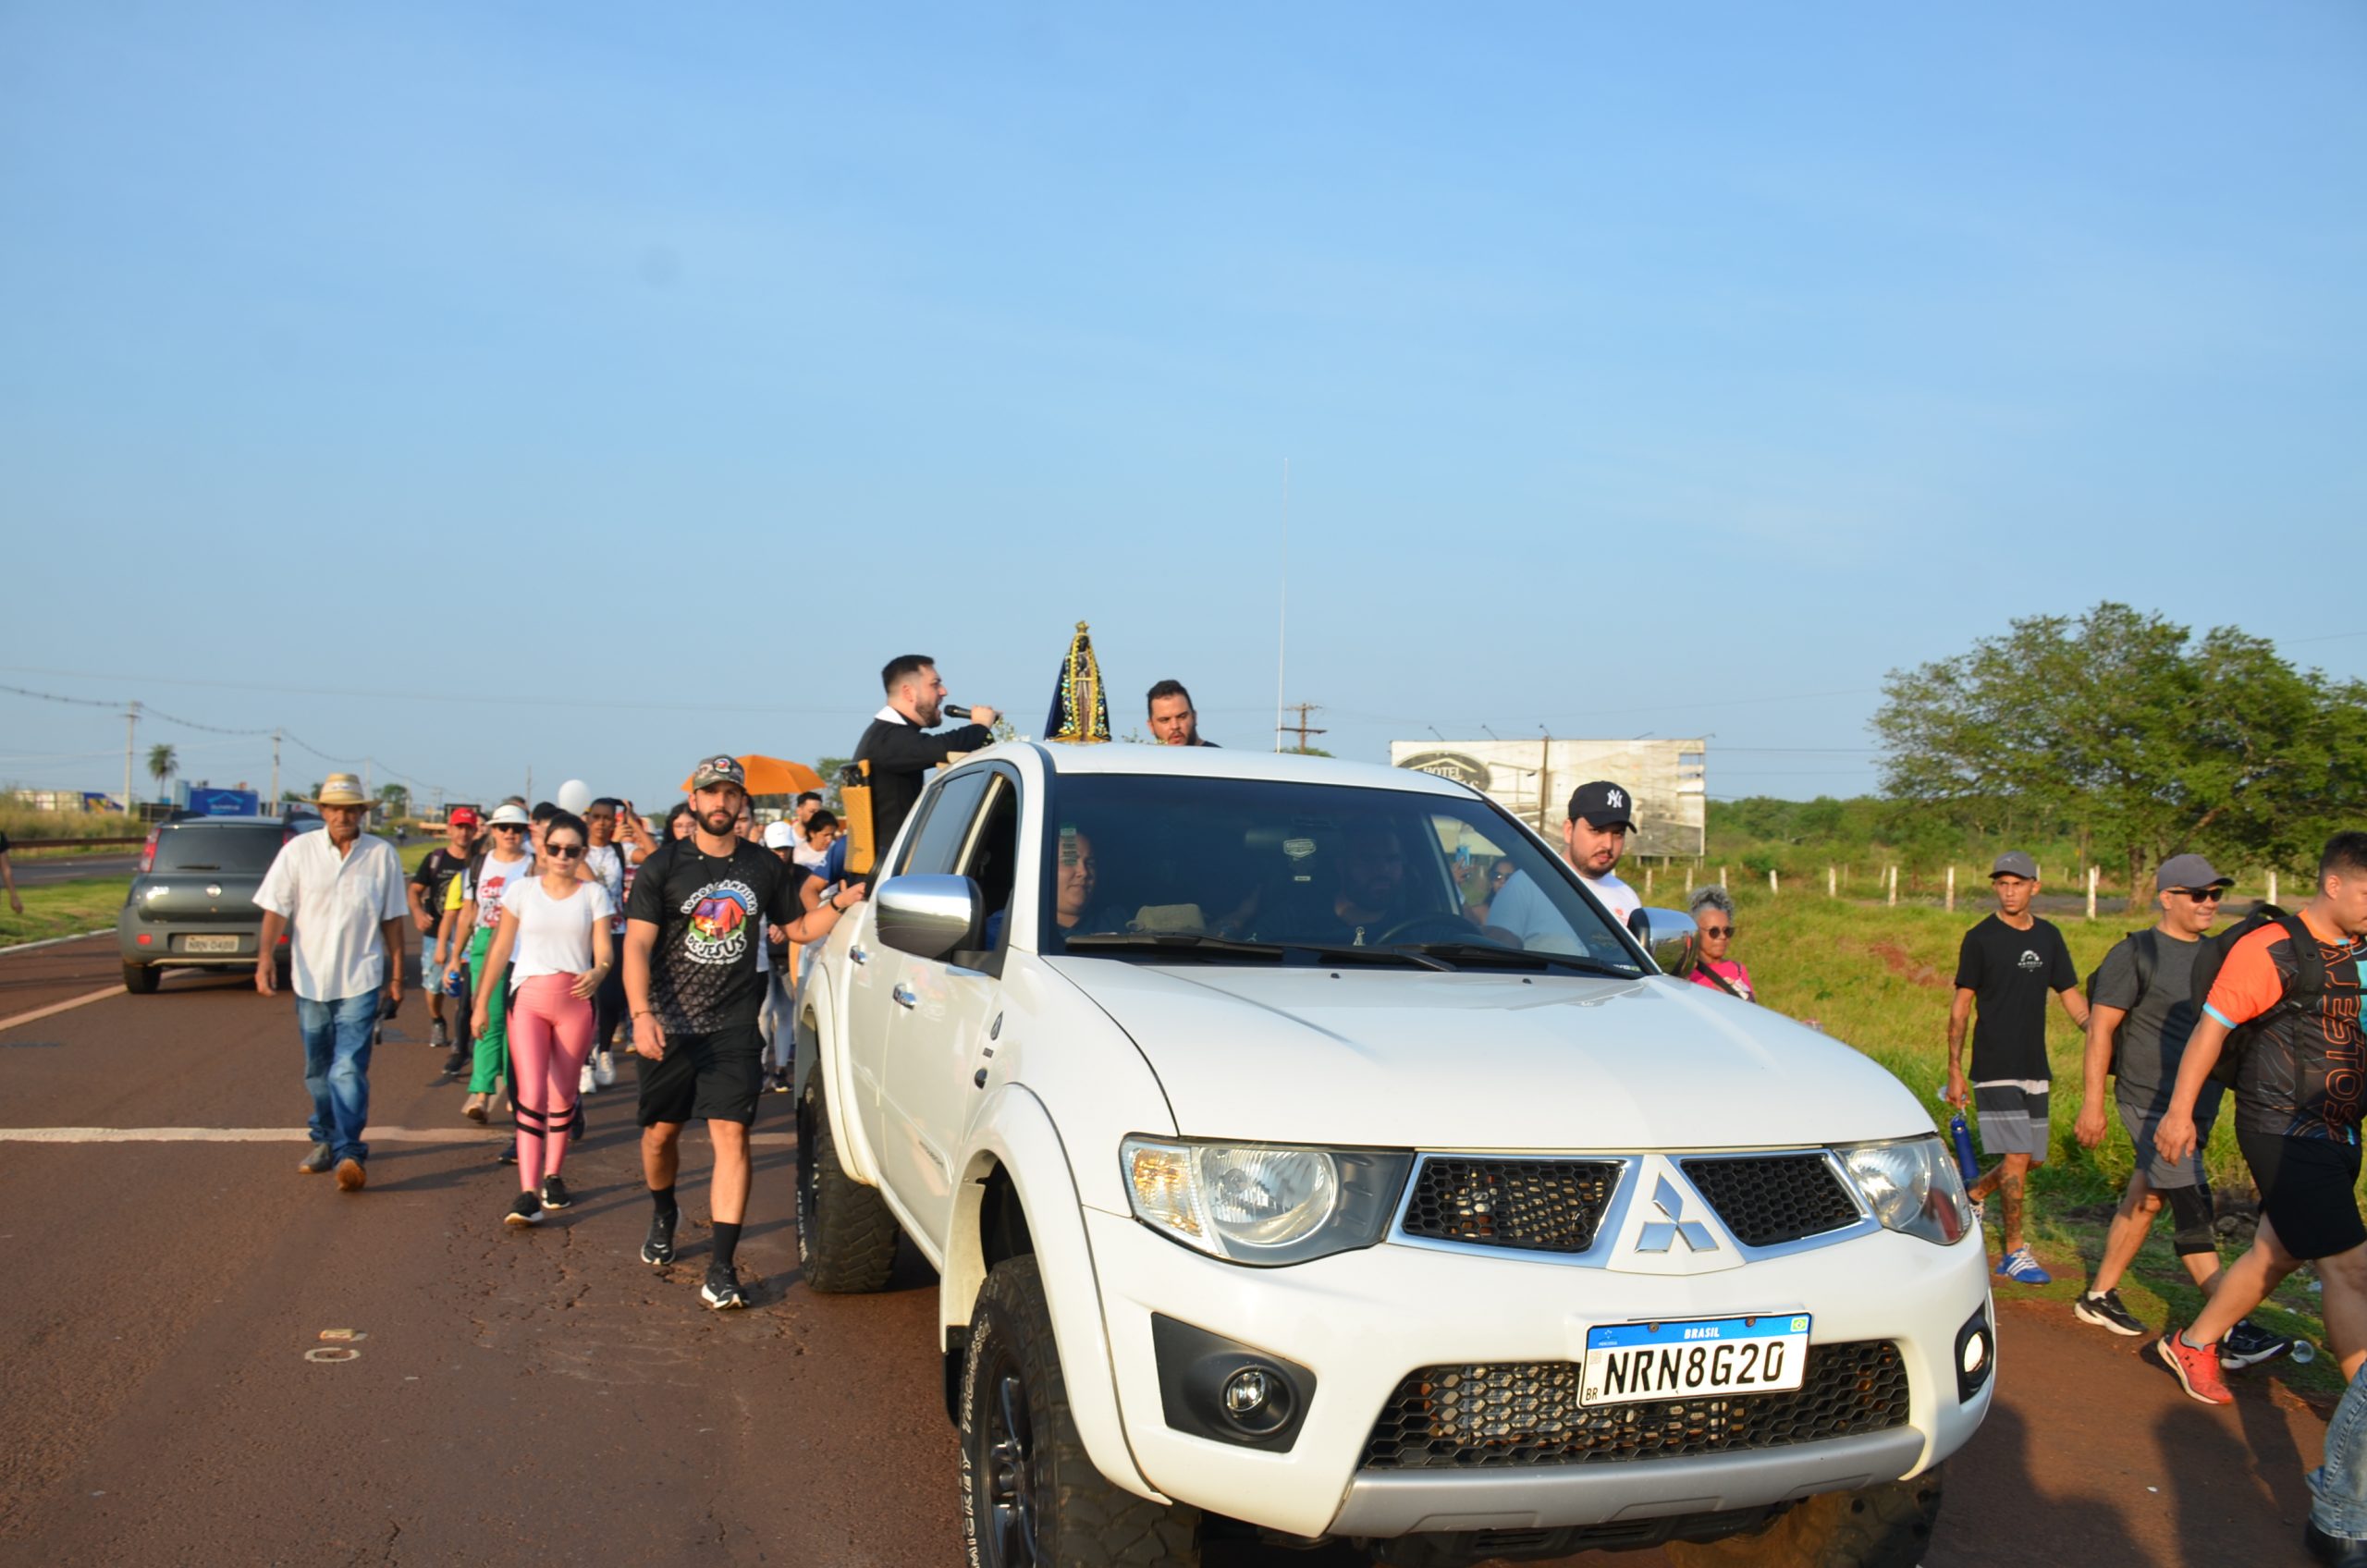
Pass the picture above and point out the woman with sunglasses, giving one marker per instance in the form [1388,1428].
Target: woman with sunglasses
[557,924]
[501,864]
[1713,910]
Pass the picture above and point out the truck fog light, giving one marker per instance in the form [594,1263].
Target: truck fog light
[1245,1392]
[1976,1354]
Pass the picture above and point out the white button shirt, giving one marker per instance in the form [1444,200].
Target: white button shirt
[335,906]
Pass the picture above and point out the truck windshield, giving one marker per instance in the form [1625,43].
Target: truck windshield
[1315,865]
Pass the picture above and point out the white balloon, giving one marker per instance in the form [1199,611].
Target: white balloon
[574,795]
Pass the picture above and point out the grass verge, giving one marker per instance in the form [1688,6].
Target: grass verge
[63,909]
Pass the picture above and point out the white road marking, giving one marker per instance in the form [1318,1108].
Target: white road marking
[283,1135]
[53,941]
[115,990]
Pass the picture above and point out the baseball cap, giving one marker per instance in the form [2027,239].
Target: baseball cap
[1602,804]
[2013,862]
[507,816]
[721,769]
[464,816]
[780,836]
[2188,871]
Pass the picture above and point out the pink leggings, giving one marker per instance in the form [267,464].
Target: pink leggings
[550,1038]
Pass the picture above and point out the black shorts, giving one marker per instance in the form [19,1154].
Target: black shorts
[2306,1191]
[712,1077]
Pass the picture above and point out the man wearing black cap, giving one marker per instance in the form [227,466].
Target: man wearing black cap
[898,751]
[2141,1011]
[1592,841]
[2007,966]
[694,923]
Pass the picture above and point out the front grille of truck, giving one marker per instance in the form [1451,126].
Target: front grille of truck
[1502,1416]
[1766,1200]
[1532,1204]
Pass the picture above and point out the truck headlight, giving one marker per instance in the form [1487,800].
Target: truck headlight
[1912,1186]
[1266,1204]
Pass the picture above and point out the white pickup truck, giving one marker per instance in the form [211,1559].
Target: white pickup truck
[1275,1193]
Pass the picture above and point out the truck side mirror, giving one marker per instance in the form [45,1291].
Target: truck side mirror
[927,916]
[1668,935]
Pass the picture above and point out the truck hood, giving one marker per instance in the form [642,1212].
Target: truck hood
[1422,1060]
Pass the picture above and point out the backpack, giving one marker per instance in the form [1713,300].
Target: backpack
[2308,982]
[2144,953]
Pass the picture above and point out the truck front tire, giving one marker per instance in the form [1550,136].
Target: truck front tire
[846,1237]
[1883,1527]
[1031,1497]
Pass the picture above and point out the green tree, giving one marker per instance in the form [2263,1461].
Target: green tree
[393,800]
[163,763]
[2123,729]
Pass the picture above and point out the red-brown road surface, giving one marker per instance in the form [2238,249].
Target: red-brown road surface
[538,1396]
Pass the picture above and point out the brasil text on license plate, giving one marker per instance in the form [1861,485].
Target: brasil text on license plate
[1705,1355]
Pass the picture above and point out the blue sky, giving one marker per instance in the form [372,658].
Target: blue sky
[583,386]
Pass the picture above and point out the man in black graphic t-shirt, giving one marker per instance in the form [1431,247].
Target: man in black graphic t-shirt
[698,911]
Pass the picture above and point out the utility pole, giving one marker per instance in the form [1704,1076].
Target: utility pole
[1302,728]
[530,781]
[366,763]
[131,724]
[1544,791]
[275,772]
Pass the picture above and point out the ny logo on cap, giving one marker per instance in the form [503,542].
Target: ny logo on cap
[1616,799]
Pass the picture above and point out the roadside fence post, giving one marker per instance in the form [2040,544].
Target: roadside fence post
[1689,880]
[1952,889]
[1831,884]
[1771,881]
[2272,887]
[1893,887]
[2091,892]
[1648,881]
[1722,876]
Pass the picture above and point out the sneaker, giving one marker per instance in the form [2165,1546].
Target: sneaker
[721,1291]
[438,1037]
[2340,1552]
[508,1153]
[2023,1268]
[351,1177]
[586,1083]
[2197,1367]
[316,1161]
[777,1082]
[527,1211]
[473,1107]
[604,1069]
[657,1250]
[2249,1344]
[2103,1310]
[457,1062]
[554,1192]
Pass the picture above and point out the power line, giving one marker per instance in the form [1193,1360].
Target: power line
[494,700]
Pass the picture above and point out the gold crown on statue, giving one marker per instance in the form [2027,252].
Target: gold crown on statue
[1080,707]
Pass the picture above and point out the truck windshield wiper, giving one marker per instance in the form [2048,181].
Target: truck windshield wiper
[1489,953]
[1281,952]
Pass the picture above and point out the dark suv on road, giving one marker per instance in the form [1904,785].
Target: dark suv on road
[192,904]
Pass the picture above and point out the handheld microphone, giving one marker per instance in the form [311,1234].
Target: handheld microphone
[955,710]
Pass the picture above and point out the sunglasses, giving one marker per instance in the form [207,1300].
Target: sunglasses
[563,851]
[2201,895]
[1720,930]
[508,827]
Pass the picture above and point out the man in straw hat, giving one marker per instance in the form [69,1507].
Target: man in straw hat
[342,892]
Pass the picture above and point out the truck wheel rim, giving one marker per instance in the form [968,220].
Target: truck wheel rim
[1010,1471]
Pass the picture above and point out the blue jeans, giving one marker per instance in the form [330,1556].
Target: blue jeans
[2342,1485]
[337,1069]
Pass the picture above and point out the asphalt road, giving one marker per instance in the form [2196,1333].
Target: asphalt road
[538,1396]
[36,871]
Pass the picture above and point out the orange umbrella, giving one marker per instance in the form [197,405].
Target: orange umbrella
[771,775]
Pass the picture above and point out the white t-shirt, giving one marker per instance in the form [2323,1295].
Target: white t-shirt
[554,935]
[1615,895]
[608,865]
[337,906]
[494,877]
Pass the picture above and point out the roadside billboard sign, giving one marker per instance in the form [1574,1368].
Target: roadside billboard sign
[1533,779]
[224,802]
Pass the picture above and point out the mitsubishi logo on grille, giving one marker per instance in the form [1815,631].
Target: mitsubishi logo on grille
[1657,1234]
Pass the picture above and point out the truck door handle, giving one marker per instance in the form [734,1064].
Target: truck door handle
[858,955]
[905,996]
